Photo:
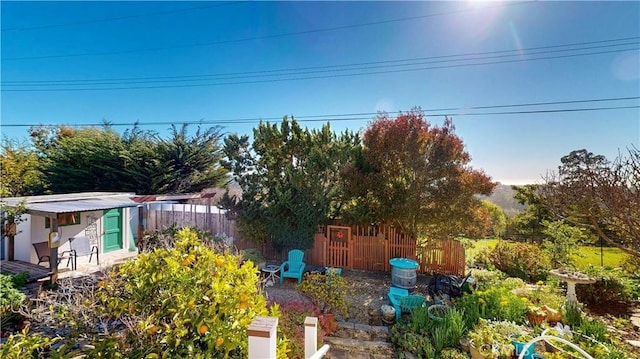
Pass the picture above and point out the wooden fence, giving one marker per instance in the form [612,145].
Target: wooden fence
[442,257]
[211,218]
[370,248]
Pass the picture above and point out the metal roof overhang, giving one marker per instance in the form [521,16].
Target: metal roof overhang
[52,209]
[52,205]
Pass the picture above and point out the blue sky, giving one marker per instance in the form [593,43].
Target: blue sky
[352,58]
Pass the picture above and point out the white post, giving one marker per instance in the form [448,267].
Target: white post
[310,336]
[262,338]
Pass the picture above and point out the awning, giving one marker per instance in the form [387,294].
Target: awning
[51,206]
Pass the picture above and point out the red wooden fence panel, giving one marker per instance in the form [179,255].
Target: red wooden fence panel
[370,248]
[442,257]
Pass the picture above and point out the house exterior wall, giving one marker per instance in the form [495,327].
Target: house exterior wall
[33,230]
[22,242]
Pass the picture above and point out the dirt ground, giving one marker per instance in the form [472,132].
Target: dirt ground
[368,294]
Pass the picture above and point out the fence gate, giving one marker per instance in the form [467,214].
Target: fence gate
[339,247]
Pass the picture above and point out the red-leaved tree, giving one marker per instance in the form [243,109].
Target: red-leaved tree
[415,176]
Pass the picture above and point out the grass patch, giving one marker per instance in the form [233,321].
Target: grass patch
[612,257]
[479,244]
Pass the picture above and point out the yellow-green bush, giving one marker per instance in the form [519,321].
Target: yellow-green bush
[327,292]
[185,302]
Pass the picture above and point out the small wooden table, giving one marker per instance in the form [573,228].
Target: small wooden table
[271,271]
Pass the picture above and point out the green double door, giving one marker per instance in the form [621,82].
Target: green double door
[112,238]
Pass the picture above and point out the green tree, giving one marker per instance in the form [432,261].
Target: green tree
[20,173]
[78,160]
[602,196]
[529,223]
[99,159]
[290,180]
[192,163]
[498,219]
[415,176]
[562,242]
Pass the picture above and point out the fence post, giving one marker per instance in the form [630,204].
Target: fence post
[262,338]
[310,336]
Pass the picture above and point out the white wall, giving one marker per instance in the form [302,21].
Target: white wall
[41,234]
[22,249]
[32,230]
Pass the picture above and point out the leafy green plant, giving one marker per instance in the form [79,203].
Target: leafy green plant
[424,337]
[595,329]
[487,278]
[612,286]
[452,353]
[252,254]
[563,245]
[440,338]
[494,336]
[572,315]
[326,291]
[454,324]
[10,298]
[498,303]
[470,306]
[512,282]
[405,340]
[188,301]
[24,345]
[20,280]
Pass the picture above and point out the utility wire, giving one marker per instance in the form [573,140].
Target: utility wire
[458,112]
[312,77]
[126,17]
[312,70]
[265,37]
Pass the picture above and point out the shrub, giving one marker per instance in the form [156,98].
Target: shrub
[487,278]
[631,265]
[25,345]
[521,260]
[20,280]
[252,254]
[612,286]
[290,325]
[482,259]
[185,302]
[512,283]
[10,298]
[495,303]
[326,291]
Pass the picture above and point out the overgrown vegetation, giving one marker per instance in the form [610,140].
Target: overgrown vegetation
[521,260]
[186,301]
[290,180]
[11,297]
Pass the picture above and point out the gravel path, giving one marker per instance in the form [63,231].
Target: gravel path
[368,294]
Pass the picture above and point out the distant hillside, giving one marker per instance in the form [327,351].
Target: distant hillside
[503,196]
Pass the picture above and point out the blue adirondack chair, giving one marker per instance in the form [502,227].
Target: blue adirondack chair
[293,267]
[402,302]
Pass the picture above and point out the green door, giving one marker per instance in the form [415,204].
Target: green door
[112,239]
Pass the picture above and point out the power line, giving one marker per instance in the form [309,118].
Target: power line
[315,76]
[458,112]
[344,67]
[265,37]
[126,17]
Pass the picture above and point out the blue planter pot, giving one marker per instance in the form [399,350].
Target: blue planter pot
[530,353]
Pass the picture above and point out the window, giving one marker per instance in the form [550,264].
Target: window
[64,219]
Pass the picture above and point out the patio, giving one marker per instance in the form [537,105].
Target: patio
[37,272]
